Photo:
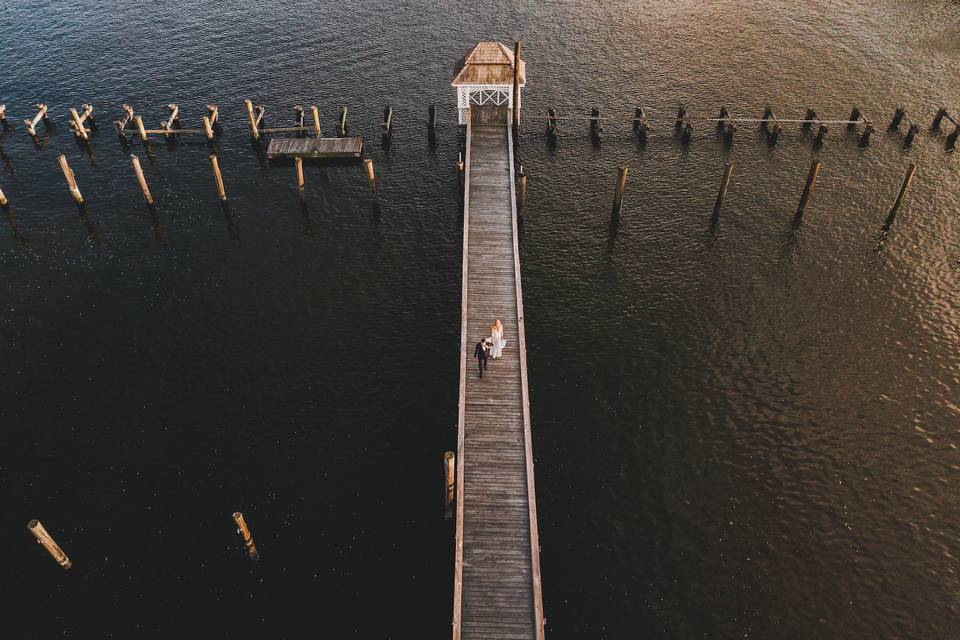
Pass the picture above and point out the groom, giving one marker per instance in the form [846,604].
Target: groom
[481,352]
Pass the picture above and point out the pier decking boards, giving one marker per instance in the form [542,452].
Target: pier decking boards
[315,147]
[497,578]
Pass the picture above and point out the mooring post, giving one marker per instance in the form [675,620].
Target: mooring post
[903,191]
[911,132]
[78,129]
[516,88]
[621,187]
[387,120]
[141,179]
[254,132]
[521,192]
[432,119]
[299,162]
[244,532]
[71,179]
[207,128]
[808,119]
[865,136]
[141,128]
[449,483]
[807,188]
[821,134]
[941,114]
[316,121]
[724,183]
[368,163]
[897,118]
[49,543]
[854,118]
[216,174]
[342,125]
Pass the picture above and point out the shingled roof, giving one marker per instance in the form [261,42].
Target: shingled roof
[489,63]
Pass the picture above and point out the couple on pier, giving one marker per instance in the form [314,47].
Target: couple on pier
[490,347]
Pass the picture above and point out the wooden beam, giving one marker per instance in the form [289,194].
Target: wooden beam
[516,86]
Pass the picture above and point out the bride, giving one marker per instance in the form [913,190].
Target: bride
[496,337]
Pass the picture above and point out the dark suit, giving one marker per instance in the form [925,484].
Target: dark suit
[480,353]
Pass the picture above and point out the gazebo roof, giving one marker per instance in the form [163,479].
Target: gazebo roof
[489,63]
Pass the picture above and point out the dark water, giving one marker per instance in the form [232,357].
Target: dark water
[744,432]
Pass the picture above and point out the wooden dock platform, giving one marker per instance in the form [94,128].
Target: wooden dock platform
[315,148]
[497,592]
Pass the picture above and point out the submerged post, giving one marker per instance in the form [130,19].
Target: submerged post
[71,179]
[216,174]
[897,118]
[141,179]
[941,114]
[807,188]
[432,119]
[48,543]
[552,128]
[865,136]
[254,132]
[516,87]
[808,119]
[911,132]
[449,483]
[903,191]
[621,187]
[854,118]
[247,537]
[724,183]
[299,162]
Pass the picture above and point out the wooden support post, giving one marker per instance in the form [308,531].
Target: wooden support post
[342,121]
[724,183]
[88,115]
[952,138]
[773,133]
[807,188]
[297,115]
[432,119]
[174,118]
[316,121]
[48,543]
[552,128]
[640,125]
[723,117]
[809,117]
[687,133]
[460,172]
[207,127]
[516,86]
[253,121]
[941,114]
[3,116]
[681,116]
[911,132]
[71,179]
[865,136]
[32,124]
[214,114]
[449,483]
[854,118]
[78,129]
[821,134]
[897,119]
[387,120]
[141,129]
[521,192]
[3,199]
[244,532]
[621,187]
[299,162]
[903,191]
[125,120]
[141,179]
[216,174]
[596,125]
[765,118]
[368,163]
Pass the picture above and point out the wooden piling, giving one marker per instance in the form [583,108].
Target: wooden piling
[3,199]
[952,138]
[244,532]
[3,117]
[621,187]
[552,128]
[687,133]
[521,192]
[808,187]
[596,125]
[254,132]
[821,134]
[297,115]
[765,118]
[32,124]
[168,125]
[897,119]
[449,483]
[865,136]
[213,112]
[141,178]
[640,126]
[368,163]
[941,114]
[724,183]
[216,174]
[681,116]
[342,121]
[299,162]
[207,128]
[78,129]
[907,179]
[387,120]
[854,118]
[49,543]
[773,133]
[141,128]
[809,117]
[911,133]
[432,119]
[71,179]
[316,121]
[516,86]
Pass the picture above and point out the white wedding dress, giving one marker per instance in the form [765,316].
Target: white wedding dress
[498,343]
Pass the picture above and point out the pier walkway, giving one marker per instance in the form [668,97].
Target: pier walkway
[497,592]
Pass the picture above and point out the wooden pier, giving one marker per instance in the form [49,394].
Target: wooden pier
[315,148]
[497,592]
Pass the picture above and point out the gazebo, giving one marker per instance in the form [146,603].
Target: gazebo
[485,80]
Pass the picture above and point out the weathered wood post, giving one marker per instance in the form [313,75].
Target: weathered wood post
[49,544]
[723,117]
[71,179]
[316,121]
[516,88]
[125,121]
[773,133]
[521,192]
[854,118]
[952,138]
[432,119]
[207,128]
[552,128]
[865,136]
[244,532]
[449,483]
[687,133]
[681,116]
[219,178]
[32,124]
[724,183]
[903,191]
[807,188]
[640,125]
[3,199]
[897,118]
[173,120]
[596,125]
[461,177]
[342,121]
[213,112]
[298,115]
[765,118]
[387,120]
[821,134]
[254,132]
[621,187]
[141,128]
[3,117]
[371,176]
[77,124]
[809,117]
[911,133]
[299,162]
[141,179]
[941,114]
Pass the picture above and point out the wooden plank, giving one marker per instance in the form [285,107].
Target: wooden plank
[315,147]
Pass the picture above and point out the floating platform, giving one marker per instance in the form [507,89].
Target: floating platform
[334,148]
